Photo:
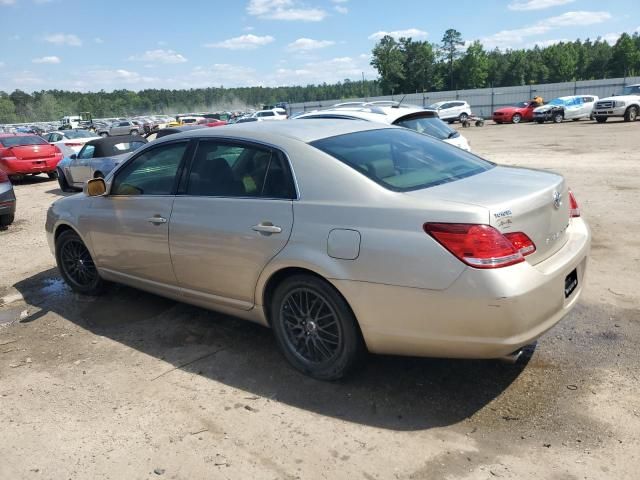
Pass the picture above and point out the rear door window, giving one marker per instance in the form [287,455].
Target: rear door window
[402,160]
[429,125]
[227,169]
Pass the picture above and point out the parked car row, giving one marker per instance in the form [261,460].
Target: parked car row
[574,107]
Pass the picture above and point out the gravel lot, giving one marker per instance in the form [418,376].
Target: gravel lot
[134,386]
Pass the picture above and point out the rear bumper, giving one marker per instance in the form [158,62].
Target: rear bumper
[23,167]
[483,314]
[7,201]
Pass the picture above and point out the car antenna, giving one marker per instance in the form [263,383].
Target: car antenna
[400,102]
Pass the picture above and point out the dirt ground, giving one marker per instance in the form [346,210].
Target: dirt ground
[134,386]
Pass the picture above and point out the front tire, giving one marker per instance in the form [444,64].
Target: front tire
[104,134]
[133,132]
[558,118]
[463,117]
[601,119]
[52,175]
[76,265]
[631,114]
[315,328]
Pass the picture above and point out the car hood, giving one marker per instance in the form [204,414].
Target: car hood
[621,98]
[546,108]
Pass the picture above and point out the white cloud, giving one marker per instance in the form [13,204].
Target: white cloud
[517,37]
[414,33]
[159,56]
[340,9]
[290,10]
[306,44]
[243,42]
[69,39]
[2,64]
[98,40]
[7,2]
[248,28]
[611,38]
[113,78]
[50,60]
[527,5]
[547,43]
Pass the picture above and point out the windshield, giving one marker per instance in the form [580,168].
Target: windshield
[402,160]
[18,141]
[521,104]
[72,134]
[558,101]
[437,105]
[631,90]
[432,126]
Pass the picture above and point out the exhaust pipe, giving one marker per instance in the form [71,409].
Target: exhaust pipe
[513,357]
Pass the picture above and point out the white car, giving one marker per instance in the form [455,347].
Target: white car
[626,105]
[73,139]
[410,116]
[452,110]
[572,107]
[270,115]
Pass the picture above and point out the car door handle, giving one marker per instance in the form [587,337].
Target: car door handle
[266,228]
[157,220]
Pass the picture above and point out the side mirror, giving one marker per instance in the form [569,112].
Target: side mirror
[73,156]
[95,187]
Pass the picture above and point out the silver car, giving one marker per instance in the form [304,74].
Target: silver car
[122,127]
[341,236]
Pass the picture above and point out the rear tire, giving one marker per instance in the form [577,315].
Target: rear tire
[463,117]
[6,220]
[133,132]
[315,328]
[631,114]
[104,134]
[601,119]
[517,118]
[76,265]
[52,175]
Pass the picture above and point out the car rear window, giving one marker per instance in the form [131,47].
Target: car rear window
[429,125]
[79,134]
[20,140]
[402,160]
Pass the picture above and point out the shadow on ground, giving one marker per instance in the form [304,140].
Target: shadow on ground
[389,392]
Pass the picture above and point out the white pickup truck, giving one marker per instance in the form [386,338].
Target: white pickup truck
[626,105]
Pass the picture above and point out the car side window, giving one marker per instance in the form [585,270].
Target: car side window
[238,170]
[87,151]
[152,173]
[587,99]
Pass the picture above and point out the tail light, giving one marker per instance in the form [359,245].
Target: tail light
[70,144]
[574,209]
[481,246]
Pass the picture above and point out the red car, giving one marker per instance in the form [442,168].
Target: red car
[24,154]
[212,122]
[520,112]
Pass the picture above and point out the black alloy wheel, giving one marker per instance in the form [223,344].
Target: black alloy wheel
[76,265]
[315,328]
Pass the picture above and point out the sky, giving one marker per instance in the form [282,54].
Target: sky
[112,44]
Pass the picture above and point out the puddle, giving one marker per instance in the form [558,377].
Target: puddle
[55,286]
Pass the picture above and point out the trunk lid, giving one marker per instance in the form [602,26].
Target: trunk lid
[517,200]
[34,152]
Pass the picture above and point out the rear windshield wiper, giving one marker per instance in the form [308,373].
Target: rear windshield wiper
[453,134]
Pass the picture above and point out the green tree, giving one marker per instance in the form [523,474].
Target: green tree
[419,65]
[451,43]
[474,66]
[625,57]
[7,109]
[389,59]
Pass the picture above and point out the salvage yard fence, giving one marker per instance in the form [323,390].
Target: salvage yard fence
[484,101]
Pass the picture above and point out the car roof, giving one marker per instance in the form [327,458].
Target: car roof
[370,112]
[268,132]
[18,134]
